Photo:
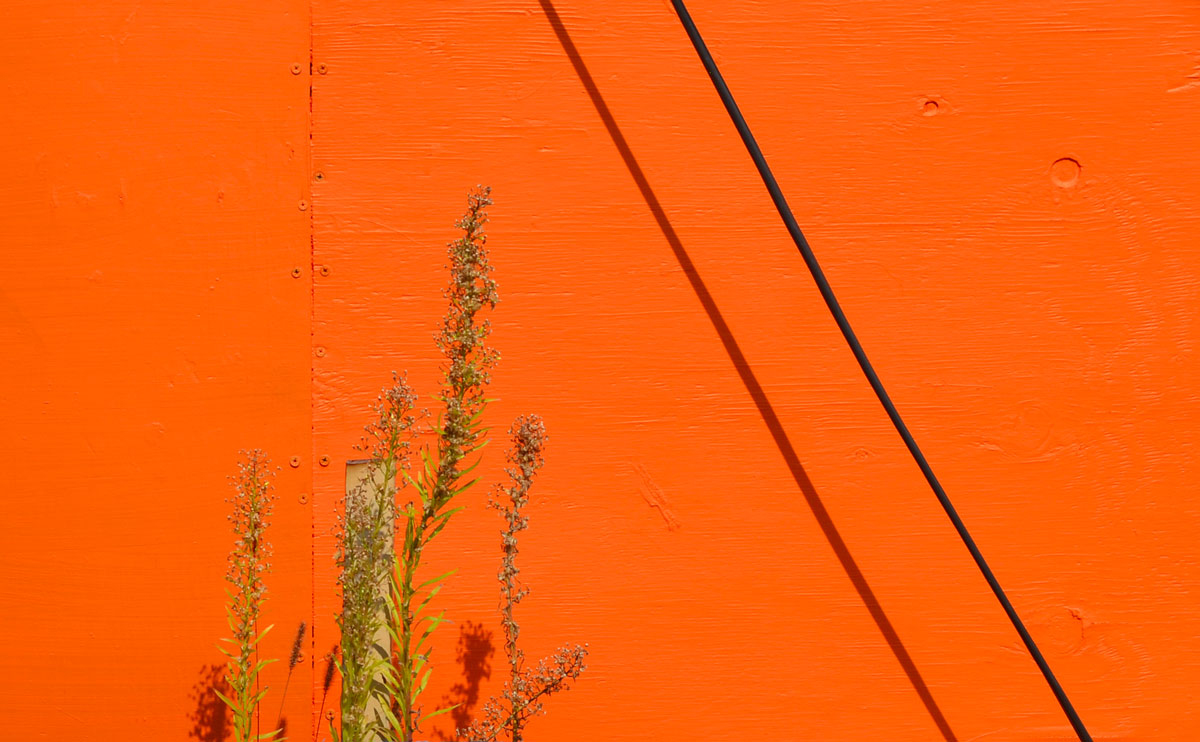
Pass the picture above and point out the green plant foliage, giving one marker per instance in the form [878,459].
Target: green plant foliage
[382,587]
[366,559]
[248,565]
[442,474]
[385,591]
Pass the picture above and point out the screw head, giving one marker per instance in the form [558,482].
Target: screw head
[296,272]
[322,68]
[303,205]
[318,175]
[320,351]
[329,715]
[324,271]
[302,498]
[296,68]
[324,461]
[295,462]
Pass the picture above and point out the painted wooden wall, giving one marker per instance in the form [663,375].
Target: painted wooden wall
[1003,195]
[155,155]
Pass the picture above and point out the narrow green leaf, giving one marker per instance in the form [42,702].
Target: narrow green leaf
[439,712]
[439,578]
[233,706]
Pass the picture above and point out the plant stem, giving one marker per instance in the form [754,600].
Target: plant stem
[248,564]
[459,434]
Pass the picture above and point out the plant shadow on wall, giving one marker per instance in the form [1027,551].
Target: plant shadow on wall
[209,720]
[474,654]
[750,381]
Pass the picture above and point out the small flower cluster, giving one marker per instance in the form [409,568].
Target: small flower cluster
[462,341]
[522,697]
[525,458]
[524,692]
[249,560]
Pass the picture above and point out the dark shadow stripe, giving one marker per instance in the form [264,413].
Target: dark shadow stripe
[774,425]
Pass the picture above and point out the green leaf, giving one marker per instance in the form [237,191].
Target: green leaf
[415,483]
[424,602]
[439,578]
[391,718]
[467,470]
[439,712]
[424,681]
[232,706]
[257,639]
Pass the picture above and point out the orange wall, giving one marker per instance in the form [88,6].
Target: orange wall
[726,516]
[151,328]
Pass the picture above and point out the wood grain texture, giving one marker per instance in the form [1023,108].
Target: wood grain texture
[1035,325]
[1002,195]
[151,327]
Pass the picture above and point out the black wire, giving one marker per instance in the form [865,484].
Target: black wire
[831,301]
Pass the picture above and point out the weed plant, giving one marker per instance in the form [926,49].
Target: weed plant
[381,687]
[527,687]
[365,556]
[249,563]
[386,528]
[443,473]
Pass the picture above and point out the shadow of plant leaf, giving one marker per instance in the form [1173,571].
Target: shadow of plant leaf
[209,717]
[475,651]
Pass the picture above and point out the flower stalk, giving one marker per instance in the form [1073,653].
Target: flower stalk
[442,475]
[365,556]
[248,564]
[524,692]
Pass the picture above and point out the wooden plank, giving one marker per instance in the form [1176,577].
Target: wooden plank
[1034,322]
[363,480]
[156,154]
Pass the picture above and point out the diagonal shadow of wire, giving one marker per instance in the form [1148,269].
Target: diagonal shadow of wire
[774,425]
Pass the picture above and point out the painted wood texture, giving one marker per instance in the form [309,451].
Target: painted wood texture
[1002,195]
[151,328]
[1035,325]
